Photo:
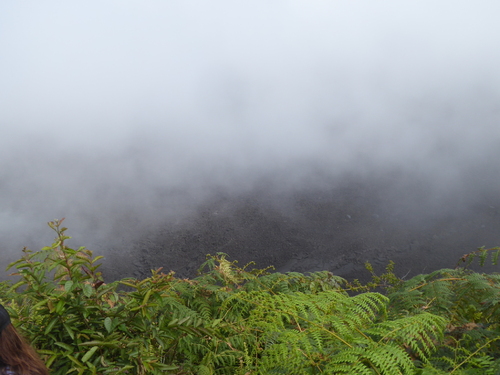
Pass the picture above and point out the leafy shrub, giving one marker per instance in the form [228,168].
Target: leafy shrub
[232,320]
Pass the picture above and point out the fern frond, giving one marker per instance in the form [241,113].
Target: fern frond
[378,359]
[419,332]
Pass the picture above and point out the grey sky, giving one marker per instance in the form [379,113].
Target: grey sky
[112,100]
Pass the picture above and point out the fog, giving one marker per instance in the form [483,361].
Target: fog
[124,116]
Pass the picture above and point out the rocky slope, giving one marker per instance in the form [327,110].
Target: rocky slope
[333,227]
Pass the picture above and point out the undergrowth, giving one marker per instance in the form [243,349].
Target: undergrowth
[237,320]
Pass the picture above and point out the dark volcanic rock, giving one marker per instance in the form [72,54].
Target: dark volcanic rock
[336,229]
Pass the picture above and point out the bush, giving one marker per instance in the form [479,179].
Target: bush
[232,320]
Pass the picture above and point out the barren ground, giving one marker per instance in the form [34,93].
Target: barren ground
[334,228]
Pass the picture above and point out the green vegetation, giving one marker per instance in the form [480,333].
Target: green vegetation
[233,320]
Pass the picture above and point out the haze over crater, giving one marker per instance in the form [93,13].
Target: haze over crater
[137,118]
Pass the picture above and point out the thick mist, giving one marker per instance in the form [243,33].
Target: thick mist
[150,125]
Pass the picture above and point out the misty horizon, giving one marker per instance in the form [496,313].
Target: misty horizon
[150,111]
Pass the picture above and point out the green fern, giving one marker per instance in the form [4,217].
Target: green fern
[232,320]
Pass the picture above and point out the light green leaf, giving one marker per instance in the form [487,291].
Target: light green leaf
[65,346]
[88,290]
[68,285]
[69,330]
[75,361]
[108,324]
[89,354]
[51,325]
[216,322]
[60,307]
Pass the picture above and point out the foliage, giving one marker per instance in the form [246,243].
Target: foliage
[236,320]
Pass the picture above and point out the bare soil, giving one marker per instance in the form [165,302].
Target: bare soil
[336,228]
